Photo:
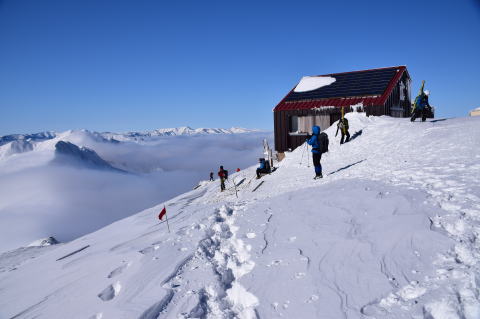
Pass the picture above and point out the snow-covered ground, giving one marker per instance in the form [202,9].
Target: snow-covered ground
[71,183]
[391,231]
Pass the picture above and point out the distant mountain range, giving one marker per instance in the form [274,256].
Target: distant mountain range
[96,150]
[128,136]
[184,130]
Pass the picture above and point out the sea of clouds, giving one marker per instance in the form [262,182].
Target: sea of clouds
[67,201]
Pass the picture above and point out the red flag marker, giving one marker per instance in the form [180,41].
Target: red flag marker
[164,213]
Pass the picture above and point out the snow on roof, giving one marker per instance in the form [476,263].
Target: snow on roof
[310,83]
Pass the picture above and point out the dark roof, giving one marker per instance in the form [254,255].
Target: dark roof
[371,87]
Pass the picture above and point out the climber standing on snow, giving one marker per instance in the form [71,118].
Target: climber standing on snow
[222,175]
[211,176]
[421,104]
[319,143]
[343,127]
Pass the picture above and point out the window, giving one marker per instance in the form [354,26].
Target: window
[303,124]
[293,124]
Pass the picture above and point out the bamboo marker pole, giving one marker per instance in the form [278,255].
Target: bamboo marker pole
[168,226]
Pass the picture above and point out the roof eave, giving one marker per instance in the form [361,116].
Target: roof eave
[392,84]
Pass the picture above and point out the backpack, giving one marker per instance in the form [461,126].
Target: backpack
[225,172]
[267,166]
[323,142]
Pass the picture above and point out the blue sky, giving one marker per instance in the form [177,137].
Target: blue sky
[139,65]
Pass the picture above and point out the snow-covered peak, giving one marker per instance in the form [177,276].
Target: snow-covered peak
[177,131]
[75,135]
[42,136]
[46,141]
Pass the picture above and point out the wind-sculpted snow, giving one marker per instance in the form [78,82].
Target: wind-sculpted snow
[391,231]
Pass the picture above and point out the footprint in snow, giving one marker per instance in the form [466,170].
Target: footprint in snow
[149,250]
[312,298]
[117,271]
[300,275]
[110,292]
[274,263]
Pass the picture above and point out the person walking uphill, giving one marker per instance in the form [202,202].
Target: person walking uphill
[211,176]
[319,143]
[222,175]
[343,127]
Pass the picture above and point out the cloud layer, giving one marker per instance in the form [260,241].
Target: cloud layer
[67,202]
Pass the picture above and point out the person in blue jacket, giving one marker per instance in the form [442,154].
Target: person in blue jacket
[263,168]
[317,141]
[421,104]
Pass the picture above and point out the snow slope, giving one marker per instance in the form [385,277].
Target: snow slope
[390,232]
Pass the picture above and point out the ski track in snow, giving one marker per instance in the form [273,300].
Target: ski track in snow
[392,231]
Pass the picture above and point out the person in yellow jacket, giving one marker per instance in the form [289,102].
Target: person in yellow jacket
[343,127]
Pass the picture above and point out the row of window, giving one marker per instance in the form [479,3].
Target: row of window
[304,124]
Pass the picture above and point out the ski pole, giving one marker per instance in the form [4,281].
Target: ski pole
[303,152]
[308,158]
